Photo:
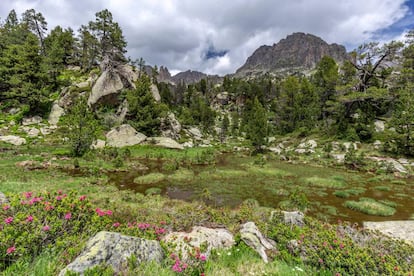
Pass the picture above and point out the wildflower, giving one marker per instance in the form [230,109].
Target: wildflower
[8,220]
[320,261]
[10,250]
[68,216]
[176,267]
[82,197]
[6,207]
[46,228]
[109,212]
[59,198]
[163,222]
[29,218]
[99,212]
[59,192]
[116,224]
[203,257]
[27,195]
[144,226]
[160,231]
[341,245]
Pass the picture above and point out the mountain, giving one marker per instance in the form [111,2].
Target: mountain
[297,52]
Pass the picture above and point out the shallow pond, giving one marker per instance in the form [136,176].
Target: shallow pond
[234,179]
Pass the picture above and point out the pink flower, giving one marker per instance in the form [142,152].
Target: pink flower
[27,194]
[144,226]
[68,216]
[160,231]
[82,197]
[109,212]
[203,257]
[59,192]
[99,212]
[116,224]
[8,220]
[10,250]
[46,228]
[58,198]
[6,207]
[320,261]
[29,218]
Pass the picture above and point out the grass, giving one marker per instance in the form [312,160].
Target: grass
[150,178]
[269,172]
[181,175]
[370,206]
[383,188]
[349,192]
[332,182]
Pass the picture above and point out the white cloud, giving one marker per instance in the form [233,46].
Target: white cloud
[176,33]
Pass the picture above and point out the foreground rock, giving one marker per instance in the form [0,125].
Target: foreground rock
[124,135]
[403,230]
[14,140]
[251,235]
[197,238]
[165,142]
[115,249]
[293,218]
[3,199]
[55,114]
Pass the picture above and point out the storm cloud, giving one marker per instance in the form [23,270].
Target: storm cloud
[217,36]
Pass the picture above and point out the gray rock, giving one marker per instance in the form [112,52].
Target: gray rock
[339,157]
[396,166]
[55,114]
[276,150]
[98,144]
[293,218]
[124,135]
[155,93]
[3,199]
[251,235]
[32,120]
[83,84]
[14,110]
[108,83]
[47,130]
[195,133]
[14,140]
[348,146]
[197,238]
[114,249]
[188,144]
[402,230]
[379,126]
[377,144]
[31,131]
[165,142]
[310,144]
[170,126]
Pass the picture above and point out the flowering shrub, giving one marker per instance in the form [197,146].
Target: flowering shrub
[30,223]
[342,249]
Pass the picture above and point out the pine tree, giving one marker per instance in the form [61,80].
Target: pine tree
[257,125]
[37,24]
[82,127]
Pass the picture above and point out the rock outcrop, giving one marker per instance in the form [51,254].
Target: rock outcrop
[252,236]
[197,238]
[115,249]
[165,142]
[124,135]
[170,126]
[55,114]
[12,139]
[293,218]
[402,230]
[107,84]
[297,52]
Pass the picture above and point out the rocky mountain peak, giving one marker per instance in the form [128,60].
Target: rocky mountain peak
[297,52]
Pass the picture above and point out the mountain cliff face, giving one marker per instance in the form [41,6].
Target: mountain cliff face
[297,52]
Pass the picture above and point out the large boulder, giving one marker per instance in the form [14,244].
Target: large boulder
[390,163]
[31,131]
[195,133]
[12,139]
[379,126]
[108,83]
[115,250]
[402,230]
[170,126]
[124,135]
[252,236]
[202,238]
[55,113]
[165,142]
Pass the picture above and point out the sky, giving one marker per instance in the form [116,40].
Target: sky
[216,36]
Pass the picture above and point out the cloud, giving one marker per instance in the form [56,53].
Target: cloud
[217,36]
